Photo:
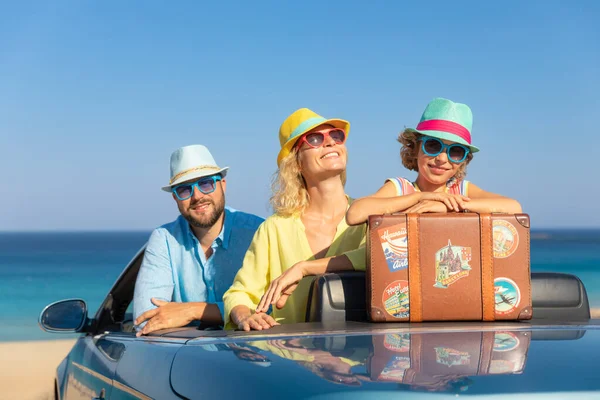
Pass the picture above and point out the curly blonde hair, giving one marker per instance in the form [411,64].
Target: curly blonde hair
[289,187]
[410,151]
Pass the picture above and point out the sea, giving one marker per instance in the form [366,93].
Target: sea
[39,268]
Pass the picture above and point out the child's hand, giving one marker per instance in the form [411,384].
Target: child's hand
[428,206]
[453,202]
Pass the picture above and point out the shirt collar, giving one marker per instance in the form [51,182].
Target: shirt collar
[226,231]
[223,238]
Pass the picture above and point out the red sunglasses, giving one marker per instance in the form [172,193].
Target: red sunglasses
[316,139]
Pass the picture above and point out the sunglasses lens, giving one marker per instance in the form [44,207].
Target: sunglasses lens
[315,139]
[207,186]
[184,191]
[457,153]
[432,147]
[338,136]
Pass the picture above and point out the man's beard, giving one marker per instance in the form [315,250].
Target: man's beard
[208,220]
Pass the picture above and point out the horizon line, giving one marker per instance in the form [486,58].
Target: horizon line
[149,230]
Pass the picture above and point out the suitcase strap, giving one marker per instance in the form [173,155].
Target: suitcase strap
[487,267]
[414,269]
[487,351]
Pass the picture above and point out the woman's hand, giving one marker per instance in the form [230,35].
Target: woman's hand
[281,288]
[453,202]
[247,320]
[257,321]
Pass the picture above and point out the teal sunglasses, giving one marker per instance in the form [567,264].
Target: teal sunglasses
[205,185]
[432,147]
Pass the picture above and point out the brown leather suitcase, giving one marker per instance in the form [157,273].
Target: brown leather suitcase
[432,360]
[448,267]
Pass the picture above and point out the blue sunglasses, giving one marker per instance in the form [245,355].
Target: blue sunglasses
[205,185]
[432,147]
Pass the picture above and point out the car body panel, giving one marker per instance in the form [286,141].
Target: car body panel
[293,361]
[60,378]
[555,360]
[144,369]
[88,373]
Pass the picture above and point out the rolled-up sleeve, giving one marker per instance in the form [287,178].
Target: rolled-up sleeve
[155,278]
[251,280]
[358,256]
[221,307]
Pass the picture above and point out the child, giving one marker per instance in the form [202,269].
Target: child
[439,149]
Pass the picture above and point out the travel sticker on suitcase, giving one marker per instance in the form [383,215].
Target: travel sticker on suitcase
[395,369]
[451,264]
[395,299]
[451,357]
[507,295]
[398,342]
[394,243]
[506,239]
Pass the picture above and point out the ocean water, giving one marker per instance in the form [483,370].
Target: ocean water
[39,268]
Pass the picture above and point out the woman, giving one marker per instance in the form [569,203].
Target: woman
[307,235]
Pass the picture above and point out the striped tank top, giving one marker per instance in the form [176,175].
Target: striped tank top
[404,186]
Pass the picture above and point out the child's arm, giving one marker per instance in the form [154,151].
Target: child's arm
[482,201]
[385,201]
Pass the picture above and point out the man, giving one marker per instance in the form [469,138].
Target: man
[191,262]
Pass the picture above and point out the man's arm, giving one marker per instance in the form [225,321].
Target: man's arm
[174,315]
[155,278]
[153,309]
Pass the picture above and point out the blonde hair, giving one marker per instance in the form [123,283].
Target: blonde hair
[288,186]
[410,151]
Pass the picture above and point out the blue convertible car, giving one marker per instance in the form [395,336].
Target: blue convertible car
[336,353]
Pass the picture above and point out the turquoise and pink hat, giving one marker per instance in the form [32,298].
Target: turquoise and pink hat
[447,120]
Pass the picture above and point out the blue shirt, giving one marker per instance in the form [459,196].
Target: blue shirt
[175,267]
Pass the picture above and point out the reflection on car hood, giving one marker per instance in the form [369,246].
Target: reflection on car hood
[468,362]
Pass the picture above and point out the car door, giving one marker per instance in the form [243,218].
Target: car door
[140,367]
[118,365]
[111,362]
[143,370]
[92,364]
[91,368]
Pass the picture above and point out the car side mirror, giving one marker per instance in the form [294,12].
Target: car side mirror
[65,316]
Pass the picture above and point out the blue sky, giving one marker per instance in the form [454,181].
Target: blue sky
[94,97]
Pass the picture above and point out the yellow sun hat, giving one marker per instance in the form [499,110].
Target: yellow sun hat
[300,122]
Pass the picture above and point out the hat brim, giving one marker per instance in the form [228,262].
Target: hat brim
[196,175]
[446,136]
[336,123]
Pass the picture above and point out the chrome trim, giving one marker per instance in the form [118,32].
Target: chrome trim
[365,330]
[93,373]
[112,382]
[130,391]
[85,311]
[152,339]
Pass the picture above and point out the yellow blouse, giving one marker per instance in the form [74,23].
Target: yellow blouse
[278,244]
